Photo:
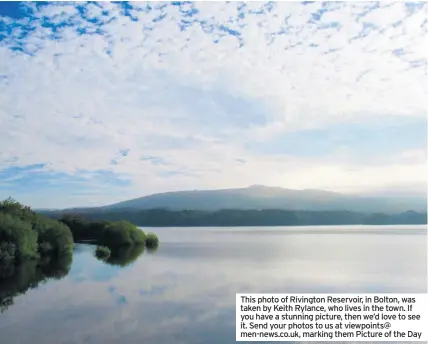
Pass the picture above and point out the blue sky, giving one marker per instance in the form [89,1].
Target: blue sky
[102,102]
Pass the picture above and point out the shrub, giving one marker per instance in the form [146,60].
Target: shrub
[76,224]
[137,235]
[83,229]
[110,234]
[14,230]
[119,234]
[152,241]
[31,233]
[45,248]
[16,209]
[54,233]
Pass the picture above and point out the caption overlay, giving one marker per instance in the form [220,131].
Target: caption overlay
[331,317]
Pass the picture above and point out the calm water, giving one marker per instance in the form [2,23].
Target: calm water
[185,292]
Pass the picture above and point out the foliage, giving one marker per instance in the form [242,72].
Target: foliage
[137,235]
[116,234]
[152,240]
[122,233]
[16,209]
[110,234]
[7,259]
[31,235]
[34,247]
[83,229]
[45,248]
[7,253]
[102,252]
[19,233]
[27,235]
[54,236]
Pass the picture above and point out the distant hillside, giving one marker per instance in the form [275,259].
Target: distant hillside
[263,197]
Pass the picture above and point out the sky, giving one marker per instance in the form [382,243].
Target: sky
[103,102]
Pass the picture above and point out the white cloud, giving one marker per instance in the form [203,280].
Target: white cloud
[166,93]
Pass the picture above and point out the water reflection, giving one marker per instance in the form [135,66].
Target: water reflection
[17,280]
[185,293]
[31,274]
[123,256]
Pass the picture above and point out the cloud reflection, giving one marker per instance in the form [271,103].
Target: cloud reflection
[185,293]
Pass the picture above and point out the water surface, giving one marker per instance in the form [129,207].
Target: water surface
[185,292]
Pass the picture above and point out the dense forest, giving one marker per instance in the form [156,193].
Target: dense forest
[235,217]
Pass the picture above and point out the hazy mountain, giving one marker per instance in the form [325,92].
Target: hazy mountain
[263,197]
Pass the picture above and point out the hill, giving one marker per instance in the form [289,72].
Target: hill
[263,197]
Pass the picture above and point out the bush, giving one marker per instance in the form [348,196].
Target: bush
[111,234]
[45,248]
[76,224]
[115,234]
[16,209]
[30,233]
[137,235]
[55,236]
[13,230]
[152,241]
[102,252]
[122,233]
[83,229]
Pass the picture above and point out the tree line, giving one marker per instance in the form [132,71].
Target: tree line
[237,217]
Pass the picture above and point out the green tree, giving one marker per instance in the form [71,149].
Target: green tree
[27,235]
[122,233]
[15,231]
[152,241]
[54,237]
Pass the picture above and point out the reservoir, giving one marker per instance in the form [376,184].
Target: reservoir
[185,291]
